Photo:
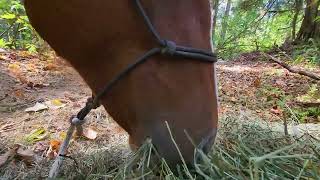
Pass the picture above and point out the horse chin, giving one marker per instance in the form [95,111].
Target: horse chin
[176,145]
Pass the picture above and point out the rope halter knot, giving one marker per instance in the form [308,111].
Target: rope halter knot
[169,48]
[76,121]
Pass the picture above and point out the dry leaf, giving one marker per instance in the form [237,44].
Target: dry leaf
[62,135]
[276,110]
[55,104]
[55,144]
[50,67]
[31,68]
[37,107]
[257,82]
[9,155]
[53,149]
[51,154]
[19,94]
[14,67]
[5,58]
[40,147]
[90,134]
[7,127]
[2,50]
[26,155]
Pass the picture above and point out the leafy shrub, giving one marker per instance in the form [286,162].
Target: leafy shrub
[16,31]
[309,52]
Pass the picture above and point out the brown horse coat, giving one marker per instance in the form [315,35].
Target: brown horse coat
[101,37]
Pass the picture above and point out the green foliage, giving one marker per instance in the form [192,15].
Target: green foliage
[274,95]
[313,95]
[309,52]
[304,114]
[16,31]
[255,25]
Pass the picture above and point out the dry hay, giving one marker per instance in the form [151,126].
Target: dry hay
[244,149]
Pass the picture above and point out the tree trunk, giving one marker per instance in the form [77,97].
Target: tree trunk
[225,20]
[310,27]
[215,8]
[297,8]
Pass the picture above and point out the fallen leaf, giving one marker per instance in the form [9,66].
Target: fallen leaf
[51,154]
[276,110]
[257,82]
[19,94]
[14,67]
[21,78]
[50,67]
[53,149]
[36,135]
[90,134]
[55,144]
[2,50]
[37,107]
[9,155]
[31,67]
[55,104]
[40,147]
[63,135]
[2,57]
[26,155]
[7,127]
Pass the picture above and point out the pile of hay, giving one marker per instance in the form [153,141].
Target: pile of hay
[243,150]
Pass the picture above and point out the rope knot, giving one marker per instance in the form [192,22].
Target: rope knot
[76,121]
[169,47]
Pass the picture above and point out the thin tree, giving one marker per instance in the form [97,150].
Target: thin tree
[298,4]
[215,9]
[225,20]
[310,27]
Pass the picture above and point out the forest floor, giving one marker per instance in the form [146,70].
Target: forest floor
[247,84]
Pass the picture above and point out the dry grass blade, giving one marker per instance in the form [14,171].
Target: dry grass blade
[243,151]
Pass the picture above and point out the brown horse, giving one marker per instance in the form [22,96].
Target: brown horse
[101,37]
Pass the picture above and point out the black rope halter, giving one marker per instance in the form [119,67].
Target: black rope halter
[166,47]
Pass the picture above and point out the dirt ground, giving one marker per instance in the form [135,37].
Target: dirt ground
[246,84]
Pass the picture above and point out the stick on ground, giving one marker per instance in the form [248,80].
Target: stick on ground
[291,69]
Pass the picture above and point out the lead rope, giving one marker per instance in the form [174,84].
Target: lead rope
[166,47]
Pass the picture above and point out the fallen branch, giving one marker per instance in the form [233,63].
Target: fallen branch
[308,104]
[291,69]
